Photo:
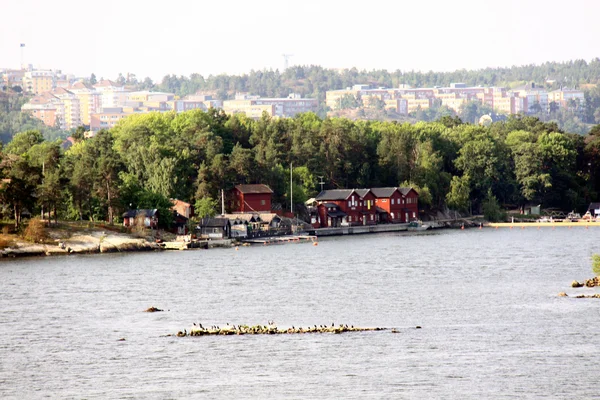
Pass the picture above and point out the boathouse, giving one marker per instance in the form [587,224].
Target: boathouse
[214,228]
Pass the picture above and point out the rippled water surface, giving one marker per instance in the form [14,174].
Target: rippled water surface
[492,323]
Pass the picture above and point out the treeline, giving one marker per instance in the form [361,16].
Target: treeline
[148,159]
[314,80]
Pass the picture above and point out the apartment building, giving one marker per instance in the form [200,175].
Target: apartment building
[112,95]
[71,113]
[566,98]
[39,81]
[47,108]
[254,106]
[528,99]
[89,100]
[109,117]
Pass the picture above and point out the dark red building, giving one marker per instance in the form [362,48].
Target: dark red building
[351,207]
[346,207]
[250,198]
[411,204]
[390,203]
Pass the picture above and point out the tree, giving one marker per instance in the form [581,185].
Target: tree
[206,207]
[93,79]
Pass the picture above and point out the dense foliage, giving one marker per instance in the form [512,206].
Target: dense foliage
[148,159]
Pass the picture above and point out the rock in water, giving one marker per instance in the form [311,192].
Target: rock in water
[576,284]
[153,309]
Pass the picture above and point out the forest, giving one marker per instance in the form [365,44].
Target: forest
[148,159]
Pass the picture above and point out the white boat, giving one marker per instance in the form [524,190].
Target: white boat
[417,226]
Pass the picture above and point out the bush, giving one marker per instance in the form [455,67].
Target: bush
[35,231]
[596,264]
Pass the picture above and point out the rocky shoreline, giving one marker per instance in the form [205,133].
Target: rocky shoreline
[88,242]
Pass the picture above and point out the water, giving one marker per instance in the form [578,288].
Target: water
[493,325]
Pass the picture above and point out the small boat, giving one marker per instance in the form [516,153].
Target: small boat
[417,226]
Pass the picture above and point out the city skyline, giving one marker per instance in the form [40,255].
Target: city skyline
[147,39]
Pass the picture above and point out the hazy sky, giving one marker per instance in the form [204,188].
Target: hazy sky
[155,38]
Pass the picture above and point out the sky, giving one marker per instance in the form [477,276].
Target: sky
[155,38]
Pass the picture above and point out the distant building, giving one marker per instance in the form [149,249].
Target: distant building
[254,106]
[250,198]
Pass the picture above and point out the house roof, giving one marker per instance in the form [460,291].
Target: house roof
[247,217]
[362,192]
[213,223]
[328,205]
[334,194]
[81,85]
[181,203]
[405,190]
[141,212]
[254,188]
[269,217]
[383,192]
[106,83]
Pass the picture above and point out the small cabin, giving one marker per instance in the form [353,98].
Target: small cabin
[214,228]
[146,218]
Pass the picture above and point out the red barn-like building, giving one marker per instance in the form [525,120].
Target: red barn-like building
[250,198]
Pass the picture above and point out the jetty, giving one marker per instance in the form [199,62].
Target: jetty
[360,229]
[199,330]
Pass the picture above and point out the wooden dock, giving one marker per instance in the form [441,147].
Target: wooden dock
[360,229]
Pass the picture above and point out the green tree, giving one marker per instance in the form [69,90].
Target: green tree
[206,207]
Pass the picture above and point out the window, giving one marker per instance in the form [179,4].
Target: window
[262,202]
[349,203]
[392,201]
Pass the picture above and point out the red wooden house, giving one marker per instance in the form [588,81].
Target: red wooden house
[346,207]
[390,204]
[250,198]
[367,204]
[411,204]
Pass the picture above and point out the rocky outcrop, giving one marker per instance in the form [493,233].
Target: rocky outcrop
[594,282]
[199,330]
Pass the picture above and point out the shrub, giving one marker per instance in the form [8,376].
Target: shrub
[35,231]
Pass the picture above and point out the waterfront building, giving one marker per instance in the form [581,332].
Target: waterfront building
[250,198]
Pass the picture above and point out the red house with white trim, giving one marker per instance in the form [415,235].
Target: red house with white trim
[411,204]
[390,202]
[346,207]
[250,198]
